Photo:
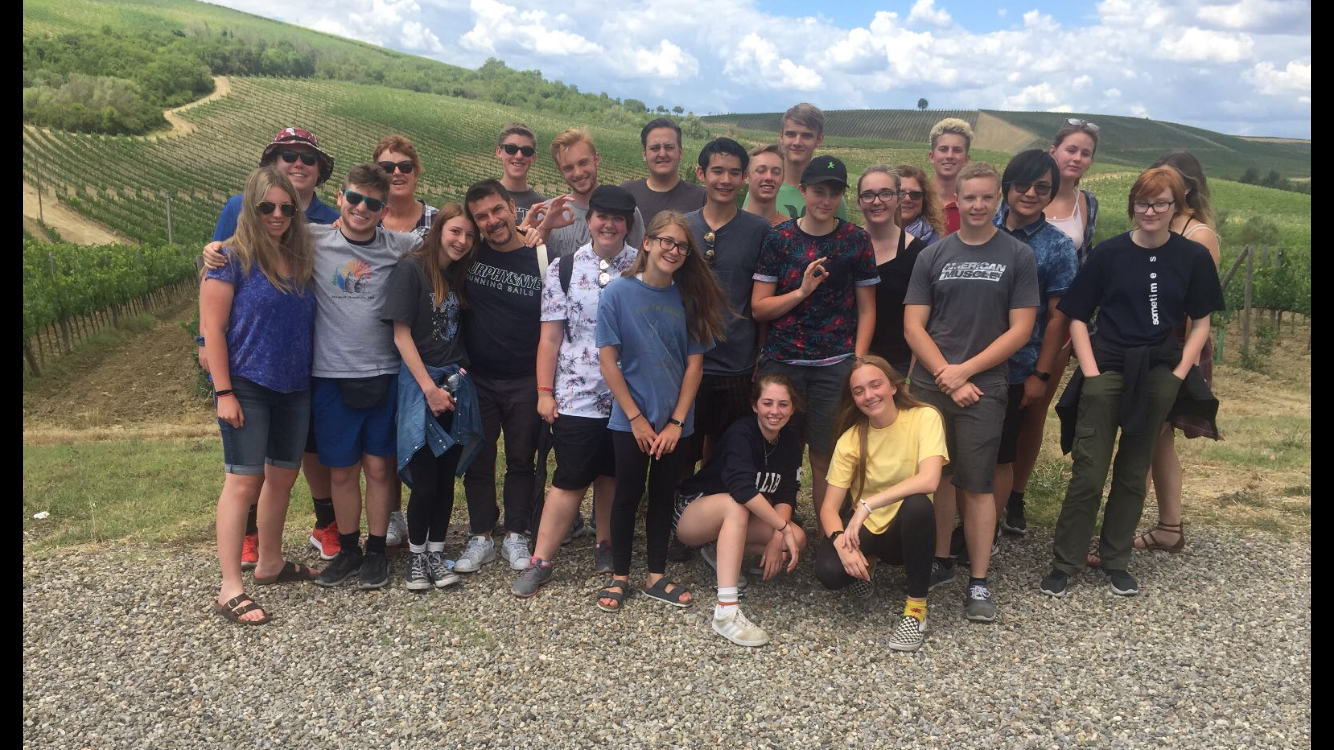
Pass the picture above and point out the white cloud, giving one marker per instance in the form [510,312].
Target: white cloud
[1061,108]
[924,12]
[1256,15]
[417,36]
[758,60]
[530,30]
[1295,79]
[1201,45]
[1112,93]
[1040,95]
[668,61]
[1081,82]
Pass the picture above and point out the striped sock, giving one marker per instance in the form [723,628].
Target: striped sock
[727,601]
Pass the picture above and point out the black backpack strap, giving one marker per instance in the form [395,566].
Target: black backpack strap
[566,272]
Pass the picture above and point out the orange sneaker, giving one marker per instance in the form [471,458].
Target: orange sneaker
[325,541]
[250,552]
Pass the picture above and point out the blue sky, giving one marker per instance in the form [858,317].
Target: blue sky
[1237,66]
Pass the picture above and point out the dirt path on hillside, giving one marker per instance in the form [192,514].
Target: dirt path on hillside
[994,134]
[147,385]
[181,126]
[72,225]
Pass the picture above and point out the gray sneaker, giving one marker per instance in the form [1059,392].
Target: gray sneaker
[603,562]
[940,574]
[441,570]
[397,533]
[979,605]
[709,554]
[531,579]
[480,551]
[419,579]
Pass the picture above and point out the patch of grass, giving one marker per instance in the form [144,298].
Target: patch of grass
[1263,442]
[93,348]
[446,625]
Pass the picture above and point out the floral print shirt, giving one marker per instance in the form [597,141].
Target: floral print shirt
[579,388]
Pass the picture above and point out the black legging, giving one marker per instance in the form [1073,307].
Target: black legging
[632,468]
[909,541]
[432,499]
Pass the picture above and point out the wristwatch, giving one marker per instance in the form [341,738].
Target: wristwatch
[1043,376]
[678,423]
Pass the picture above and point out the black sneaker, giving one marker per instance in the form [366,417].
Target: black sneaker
[958,544]
[346,563]
[374,571]
[941,574]
[979,605]
[1055,583]
[1014,522]
[419,577]
[1122,583]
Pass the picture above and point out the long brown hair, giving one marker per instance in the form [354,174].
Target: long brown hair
[852,418]
[251,243]
[1197,187]
[700,293]
[931,210]
[433,249]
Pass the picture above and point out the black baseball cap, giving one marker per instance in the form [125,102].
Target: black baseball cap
[613,200]
[825,169]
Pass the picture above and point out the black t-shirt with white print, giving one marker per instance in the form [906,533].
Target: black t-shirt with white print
[435,325]
[746,464]
[1141,294]
[502,322]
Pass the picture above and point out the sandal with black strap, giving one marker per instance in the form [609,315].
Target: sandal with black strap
[238,606]
[291,573]
[1148,540]
[659,591]
[615,591]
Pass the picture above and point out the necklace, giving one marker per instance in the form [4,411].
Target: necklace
[769,449]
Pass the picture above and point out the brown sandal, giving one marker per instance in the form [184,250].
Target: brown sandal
[291,573]
[1147,540]
[237,606]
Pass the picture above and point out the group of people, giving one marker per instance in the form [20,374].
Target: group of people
[675,349]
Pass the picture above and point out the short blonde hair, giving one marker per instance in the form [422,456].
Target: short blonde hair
[975,169]
[806,114]
[953,126]
[768,148]
[568,139]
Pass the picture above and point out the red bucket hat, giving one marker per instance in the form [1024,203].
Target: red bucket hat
[290,136]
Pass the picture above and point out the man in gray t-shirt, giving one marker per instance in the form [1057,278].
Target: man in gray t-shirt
[663,189]
[562,221]
[971,304]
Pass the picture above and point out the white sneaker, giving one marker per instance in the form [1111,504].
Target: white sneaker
[480,551]
[739,630]
[515,551]
[398,529]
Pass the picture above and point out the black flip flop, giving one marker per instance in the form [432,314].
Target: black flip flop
[291,573]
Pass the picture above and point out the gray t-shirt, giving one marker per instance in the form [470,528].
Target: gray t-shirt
[351,286]
[684,197]
[971,290]
[524,201]
[736,254]
[566,240]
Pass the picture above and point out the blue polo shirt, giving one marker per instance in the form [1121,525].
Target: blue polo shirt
[1058,262]
[316,213]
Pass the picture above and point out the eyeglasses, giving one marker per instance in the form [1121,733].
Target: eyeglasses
[355,198]
[1157,206]
[405,167]
[514,148]
[709,239]
[667,243]
[914,195]
[885,195]
[1040,189]
[1086,125]
[267,207]
[308,158]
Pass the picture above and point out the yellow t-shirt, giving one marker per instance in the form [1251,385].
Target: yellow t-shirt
[894,453]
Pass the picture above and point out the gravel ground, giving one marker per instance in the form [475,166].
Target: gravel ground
[120,651]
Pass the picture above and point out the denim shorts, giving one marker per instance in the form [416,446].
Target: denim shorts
[344,434]
[274,431]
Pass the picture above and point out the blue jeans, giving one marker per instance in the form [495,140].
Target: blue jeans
[274,431]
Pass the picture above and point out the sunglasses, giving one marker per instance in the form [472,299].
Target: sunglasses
[355,198]
[306,157]
[914,195]
[1090,127]
[604,274]
[709,239]
[267,207]
[512,149]
[405,167]
[1040,189]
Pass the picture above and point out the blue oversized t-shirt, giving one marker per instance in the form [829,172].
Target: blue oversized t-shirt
[649,326]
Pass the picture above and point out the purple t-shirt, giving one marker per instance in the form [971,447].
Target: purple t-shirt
[269,333]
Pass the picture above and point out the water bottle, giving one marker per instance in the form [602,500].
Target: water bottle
[453,382]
